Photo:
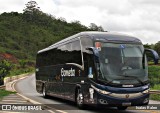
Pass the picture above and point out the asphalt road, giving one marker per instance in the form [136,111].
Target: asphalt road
[27,88]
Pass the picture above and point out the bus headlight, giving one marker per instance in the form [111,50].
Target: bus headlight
[104,92]
[145,91]
[100,91]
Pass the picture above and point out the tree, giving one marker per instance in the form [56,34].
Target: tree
[157,47]
[62,19]
[77,27]
[100,28]
[147,46]
[31,7]
[5,67]
[32,10]
[94,27]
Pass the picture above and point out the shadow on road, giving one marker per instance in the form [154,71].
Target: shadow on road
[69,105]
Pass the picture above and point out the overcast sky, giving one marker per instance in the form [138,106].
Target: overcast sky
[140,18]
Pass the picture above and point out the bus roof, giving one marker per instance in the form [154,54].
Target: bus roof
[96,35]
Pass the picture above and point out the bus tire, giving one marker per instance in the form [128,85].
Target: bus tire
[122,107]
[79,99]
[44,92]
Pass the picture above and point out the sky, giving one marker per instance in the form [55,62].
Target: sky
[139,18]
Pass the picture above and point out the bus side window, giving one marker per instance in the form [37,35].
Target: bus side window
[76,52]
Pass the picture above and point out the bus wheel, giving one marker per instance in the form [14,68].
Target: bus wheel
[79,99]
[44,92]
[122,107]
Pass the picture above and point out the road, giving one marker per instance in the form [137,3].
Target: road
[27,88]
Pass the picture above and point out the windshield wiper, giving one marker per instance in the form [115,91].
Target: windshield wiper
[134,78]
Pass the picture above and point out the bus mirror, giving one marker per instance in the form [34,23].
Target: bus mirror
[95,52]
[154,54]
[89,49]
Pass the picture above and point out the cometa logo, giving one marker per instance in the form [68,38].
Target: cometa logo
[127,96]
[70,72]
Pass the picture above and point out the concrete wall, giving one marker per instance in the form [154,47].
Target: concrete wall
[12,78]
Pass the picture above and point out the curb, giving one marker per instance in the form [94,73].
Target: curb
[9,81]
[33,101]
[16,77]
[24,97]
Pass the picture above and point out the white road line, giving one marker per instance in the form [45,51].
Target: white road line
[28,99]
[51,111]
[61,111]
[33,101]
[12,85]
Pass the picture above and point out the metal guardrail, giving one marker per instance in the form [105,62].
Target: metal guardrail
[154,91]
[2,87]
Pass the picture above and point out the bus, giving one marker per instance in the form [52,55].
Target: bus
[95,68]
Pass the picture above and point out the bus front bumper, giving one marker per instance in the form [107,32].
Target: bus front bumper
[125,100]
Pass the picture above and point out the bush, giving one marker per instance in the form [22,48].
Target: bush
[5,67]
[154,76]
[155,97]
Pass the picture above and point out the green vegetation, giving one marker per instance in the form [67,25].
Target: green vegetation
[21,68]
[23,34]
[154,76]
[5,67]
[5,93]
[8,68]
[155,97]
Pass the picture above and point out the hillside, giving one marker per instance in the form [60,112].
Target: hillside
[22,35]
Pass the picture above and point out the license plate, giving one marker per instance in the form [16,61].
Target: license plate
[126,104]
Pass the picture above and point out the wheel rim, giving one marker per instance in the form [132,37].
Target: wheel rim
[80,99]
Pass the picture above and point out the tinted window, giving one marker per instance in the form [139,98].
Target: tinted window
[76,52]
[66,53]
[86,43]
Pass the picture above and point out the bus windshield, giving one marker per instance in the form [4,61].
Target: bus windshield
[122,63]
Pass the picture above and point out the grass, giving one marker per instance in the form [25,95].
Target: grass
[155,97]
[154,76]
[4,93]
[156,87]
[21,71]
